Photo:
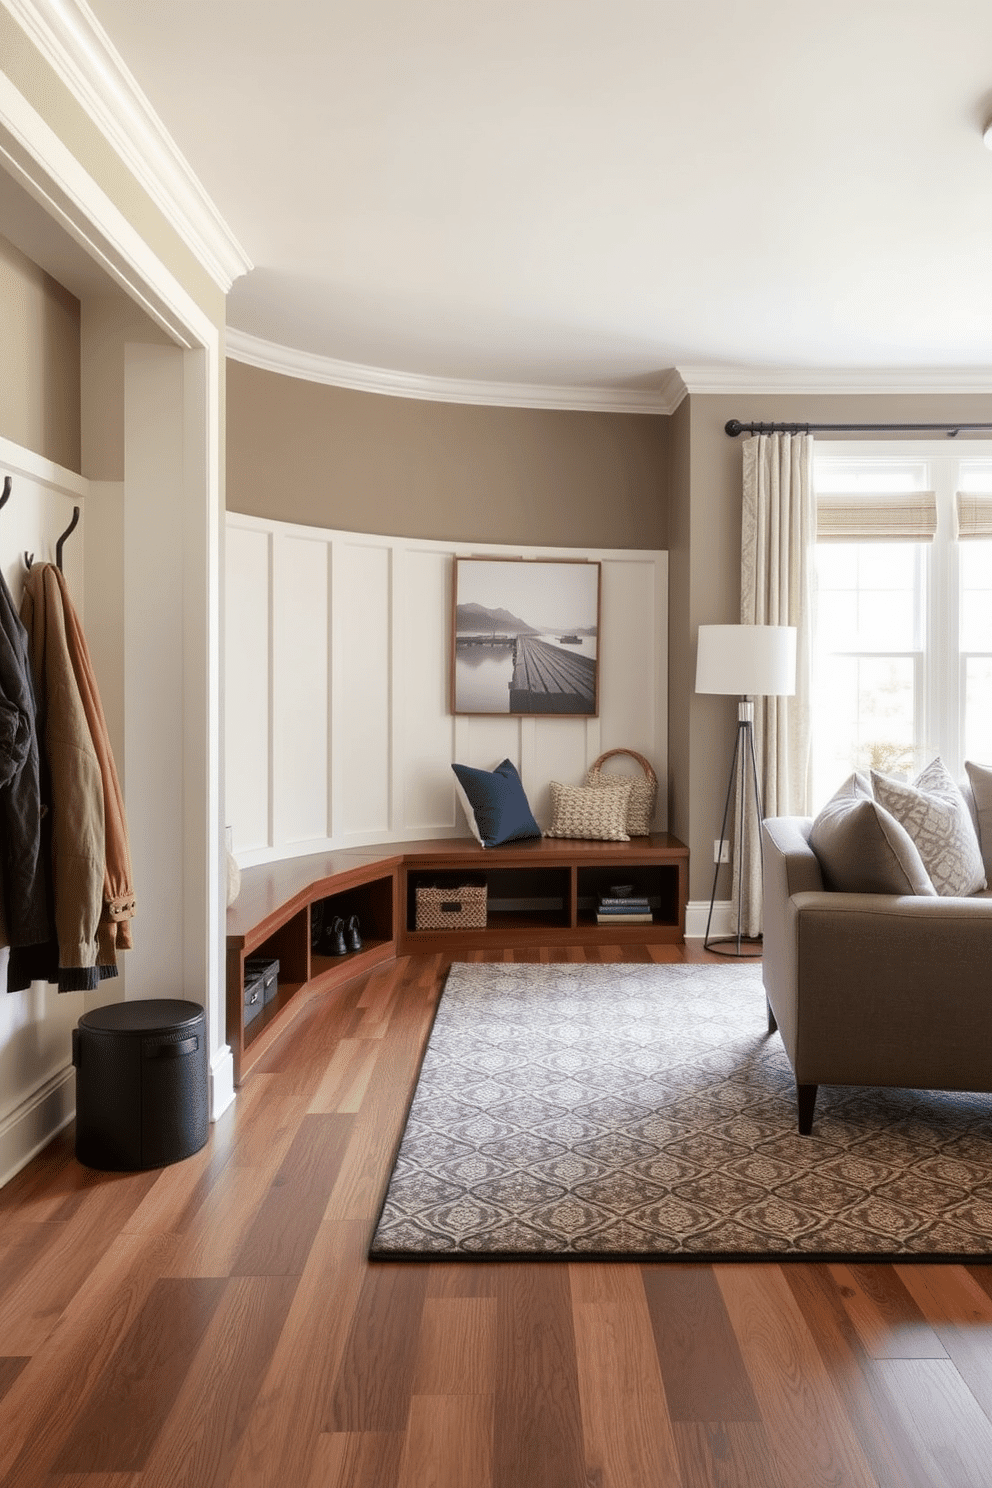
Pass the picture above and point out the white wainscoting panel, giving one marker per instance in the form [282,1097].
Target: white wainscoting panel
[248,613]
[300,691]
[557,750]
[362,699]
[426,736]
[360,740]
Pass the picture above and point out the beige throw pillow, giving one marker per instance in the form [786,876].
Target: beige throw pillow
[980,778]
[598,812]
[936,816]
[861,847]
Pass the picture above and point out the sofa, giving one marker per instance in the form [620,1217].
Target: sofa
[875,988]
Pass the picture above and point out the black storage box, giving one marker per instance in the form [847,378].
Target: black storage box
[141,1084]
[261,985]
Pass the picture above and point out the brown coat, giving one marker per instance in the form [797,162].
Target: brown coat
[94,890]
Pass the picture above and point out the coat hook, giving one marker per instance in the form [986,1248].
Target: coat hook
[6,491]
[58,546]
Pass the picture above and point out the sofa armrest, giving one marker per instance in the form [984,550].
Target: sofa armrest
[790,867]
[889,990]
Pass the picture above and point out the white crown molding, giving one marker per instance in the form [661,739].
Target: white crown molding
[74,44]
[270,357]
[41,163]
[857,381]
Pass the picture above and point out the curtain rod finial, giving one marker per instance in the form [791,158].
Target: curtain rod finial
[733,427]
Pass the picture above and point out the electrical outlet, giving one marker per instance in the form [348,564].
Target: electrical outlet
[721,851]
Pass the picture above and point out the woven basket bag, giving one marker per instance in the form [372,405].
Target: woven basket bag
[640,808]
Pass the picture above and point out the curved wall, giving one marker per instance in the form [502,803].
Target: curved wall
[307,452]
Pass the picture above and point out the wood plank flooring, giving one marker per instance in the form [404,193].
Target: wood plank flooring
[216,1322]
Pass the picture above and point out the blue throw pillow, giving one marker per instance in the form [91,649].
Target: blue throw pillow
[495,804]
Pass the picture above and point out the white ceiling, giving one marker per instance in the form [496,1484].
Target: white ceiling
[583,192]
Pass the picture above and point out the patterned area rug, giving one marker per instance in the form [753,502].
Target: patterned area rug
[604,1111]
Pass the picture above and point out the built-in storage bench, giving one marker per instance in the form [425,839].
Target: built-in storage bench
[543,891]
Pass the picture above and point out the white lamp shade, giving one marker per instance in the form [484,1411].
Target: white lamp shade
[746,660]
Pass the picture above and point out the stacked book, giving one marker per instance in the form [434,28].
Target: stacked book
[624,910]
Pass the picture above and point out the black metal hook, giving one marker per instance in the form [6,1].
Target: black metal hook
[58,546]
[29,557]
[6,491]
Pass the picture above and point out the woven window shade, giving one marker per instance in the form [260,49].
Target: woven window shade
[974,514]
[909,517]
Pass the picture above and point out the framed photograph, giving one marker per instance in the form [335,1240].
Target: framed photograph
[525,637]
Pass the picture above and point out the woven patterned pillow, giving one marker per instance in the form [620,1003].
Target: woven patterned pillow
[599,811]
[936,816]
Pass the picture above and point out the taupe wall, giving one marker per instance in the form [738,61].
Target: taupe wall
[39,360]
[107,323]
[361,462]
[705,578]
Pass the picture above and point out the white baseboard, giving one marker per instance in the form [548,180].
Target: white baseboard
[697,913]
[221,1081]
[33,1124]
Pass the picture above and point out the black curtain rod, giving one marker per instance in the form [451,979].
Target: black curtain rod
[733,427]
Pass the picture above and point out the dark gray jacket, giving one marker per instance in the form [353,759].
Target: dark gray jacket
[23,872]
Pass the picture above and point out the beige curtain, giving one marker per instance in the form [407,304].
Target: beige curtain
[777,536]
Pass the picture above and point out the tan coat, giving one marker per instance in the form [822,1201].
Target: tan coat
[93,881]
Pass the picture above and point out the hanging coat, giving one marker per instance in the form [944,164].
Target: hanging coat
[74,784]
[118,878]
[25,917]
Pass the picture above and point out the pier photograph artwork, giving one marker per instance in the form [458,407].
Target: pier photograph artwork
[525,637]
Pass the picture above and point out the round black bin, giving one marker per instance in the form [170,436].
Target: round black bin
[141,1084]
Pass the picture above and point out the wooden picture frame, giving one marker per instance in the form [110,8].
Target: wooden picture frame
[525,637]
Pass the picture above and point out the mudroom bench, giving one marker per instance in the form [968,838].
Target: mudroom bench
[539,891]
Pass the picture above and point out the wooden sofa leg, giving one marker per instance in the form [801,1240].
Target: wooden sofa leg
[772,1025]
[806,1100]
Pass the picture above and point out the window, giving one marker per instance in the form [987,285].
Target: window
[903,633]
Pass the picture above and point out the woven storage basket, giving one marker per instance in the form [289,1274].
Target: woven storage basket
[451,907]
[640,807]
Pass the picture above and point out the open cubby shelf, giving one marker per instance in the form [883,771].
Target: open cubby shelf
[542,891]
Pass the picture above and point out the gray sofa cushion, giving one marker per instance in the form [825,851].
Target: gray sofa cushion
[861,847]
[936,816]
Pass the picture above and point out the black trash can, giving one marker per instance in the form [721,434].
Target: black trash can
[141,1084]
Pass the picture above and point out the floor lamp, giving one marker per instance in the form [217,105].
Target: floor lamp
[743,661]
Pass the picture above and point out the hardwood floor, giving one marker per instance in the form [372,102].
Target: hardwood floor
[216,1322]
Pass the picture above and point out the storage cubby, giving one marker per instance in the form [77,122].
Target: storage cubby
[288,945]
[371,903]
[657,882]
[273,919]
[516,898]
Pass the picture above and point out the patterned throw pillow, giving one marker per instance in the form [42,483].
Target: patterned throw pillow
[936,816]
[861,847]
[599,812]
